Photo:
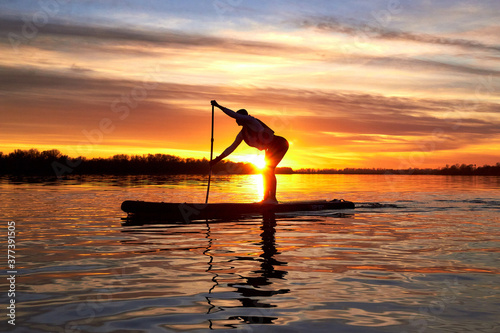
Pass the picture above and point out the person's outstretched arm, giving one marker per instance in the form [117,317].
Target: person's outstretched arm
[231,113]
[229,149]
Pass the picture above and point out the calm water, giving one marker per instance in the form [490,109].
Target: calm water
[425,260]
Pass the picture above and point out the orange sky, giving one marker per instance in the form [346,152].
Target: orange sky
[372,85]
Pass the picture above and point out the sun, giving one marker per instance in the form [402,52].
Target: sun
[258,161]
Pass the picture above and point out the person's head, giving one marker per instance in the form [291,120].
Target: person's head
[243,112]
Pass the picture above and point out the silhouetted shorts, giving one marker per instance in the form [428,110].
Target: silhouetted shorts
[275,151]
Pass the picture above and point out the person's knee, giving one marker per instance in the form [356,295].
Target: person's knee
[269,170]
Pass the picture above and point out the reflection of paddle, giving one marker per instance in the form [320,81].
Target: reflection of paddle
[211,154]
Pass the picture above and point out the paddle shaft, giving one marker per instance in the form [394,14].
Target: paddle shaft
[211,155]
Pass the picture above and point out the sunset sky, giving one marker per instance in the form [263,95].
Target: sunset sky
[349,83]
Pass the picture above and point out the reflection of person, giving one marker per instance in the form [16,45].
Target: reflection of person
[258,286]
[257,134]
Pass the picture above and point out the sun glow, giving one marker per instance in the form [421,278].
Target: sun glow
[258,161]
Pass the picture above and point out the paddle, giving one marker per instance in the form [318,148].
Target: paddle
[211,155]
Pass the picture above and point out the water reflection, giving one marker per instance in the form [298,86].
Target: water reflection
[428,261]
[107,180]
[255,288]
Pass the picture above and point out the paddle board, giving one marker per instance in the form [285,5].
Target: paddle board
[186,212]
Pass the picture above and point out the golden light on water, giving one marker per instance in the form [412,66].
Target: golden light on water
[259,162]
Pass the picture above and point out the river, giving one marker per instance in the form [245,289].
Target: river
[418,254]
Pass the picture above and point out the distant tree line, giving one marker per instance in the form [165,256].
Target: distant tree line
[471,169]
[456,169]
[53,162]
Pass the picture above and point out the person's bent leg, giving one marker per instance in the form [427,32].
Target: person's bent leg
[273,158]
[270,184]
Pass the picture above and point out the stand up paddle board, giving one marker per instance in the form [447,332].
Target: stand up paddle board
[187,212]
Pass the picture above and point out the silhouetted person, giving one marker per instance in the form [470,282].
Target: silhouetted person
[257,134]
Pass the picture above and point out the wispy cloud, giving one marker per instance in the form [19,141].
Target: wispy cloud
[121,35]
[173,110]
[331,24]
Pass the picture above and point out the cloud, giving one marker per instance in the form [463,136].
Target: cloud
[108,42]
[345,108]
[429,65]
[340,129]
[330,24]
[119,35]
